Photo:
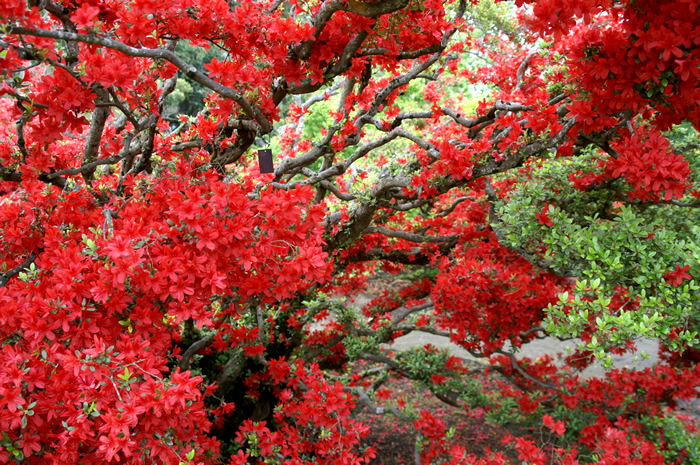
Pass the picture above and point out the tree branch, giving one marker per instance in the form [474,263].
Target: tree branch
[522,69]
[365,401]
[157,53]
[410,236]
[399,314]
[193,349]
[524,374]
[230,371]
[5,278]
[97,125]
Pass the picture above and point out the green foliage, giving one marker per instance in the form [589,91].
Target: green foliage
[506,412]
[495,18]
[425,363]
[11,447]
[681,445]
[622,254]
[685,139]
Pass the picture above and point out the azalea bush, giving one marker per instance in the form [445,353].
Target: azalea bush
[527,169]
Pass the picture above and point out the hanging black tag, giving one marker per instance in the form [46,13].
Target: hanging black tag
[265,161]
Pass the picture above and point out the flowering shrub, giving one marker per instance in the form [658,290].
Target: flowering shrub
[527,168]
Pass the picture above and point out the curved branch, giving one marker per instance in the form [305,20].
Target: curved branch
[522,69]
[410,236]
[86,167]
[452,207]
[393,364]
[158,54]
[193,349]
[398,315]
[400,81]
[518,157]
[97,125]
[423,329]
[329,8]
[524,374]
[345,60]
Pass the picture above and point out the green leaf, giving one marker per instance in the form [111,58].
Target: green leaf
[126,375]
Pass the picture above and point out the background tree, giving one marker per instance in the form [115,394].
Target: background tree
[161,299]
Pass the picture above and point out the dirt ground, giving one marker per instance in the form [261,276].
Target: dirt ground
[394,440]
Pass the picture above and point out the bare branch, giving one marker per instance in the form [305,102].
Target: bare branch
[401,81]
[330,7]
[21,143]
[410,236]
[303,51]
[333,90]
[424,329]
[398,315]
[345,60]
[232,154]
[63,14]
[117,103]
[411,115]
[10,175]
[536,329]
[230,371]
[452,207]
[336,191]
[522,69]
[144,163]
[182,146]
[86,167]
[193,349]
[393,364]
[97,125]
[518,157]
